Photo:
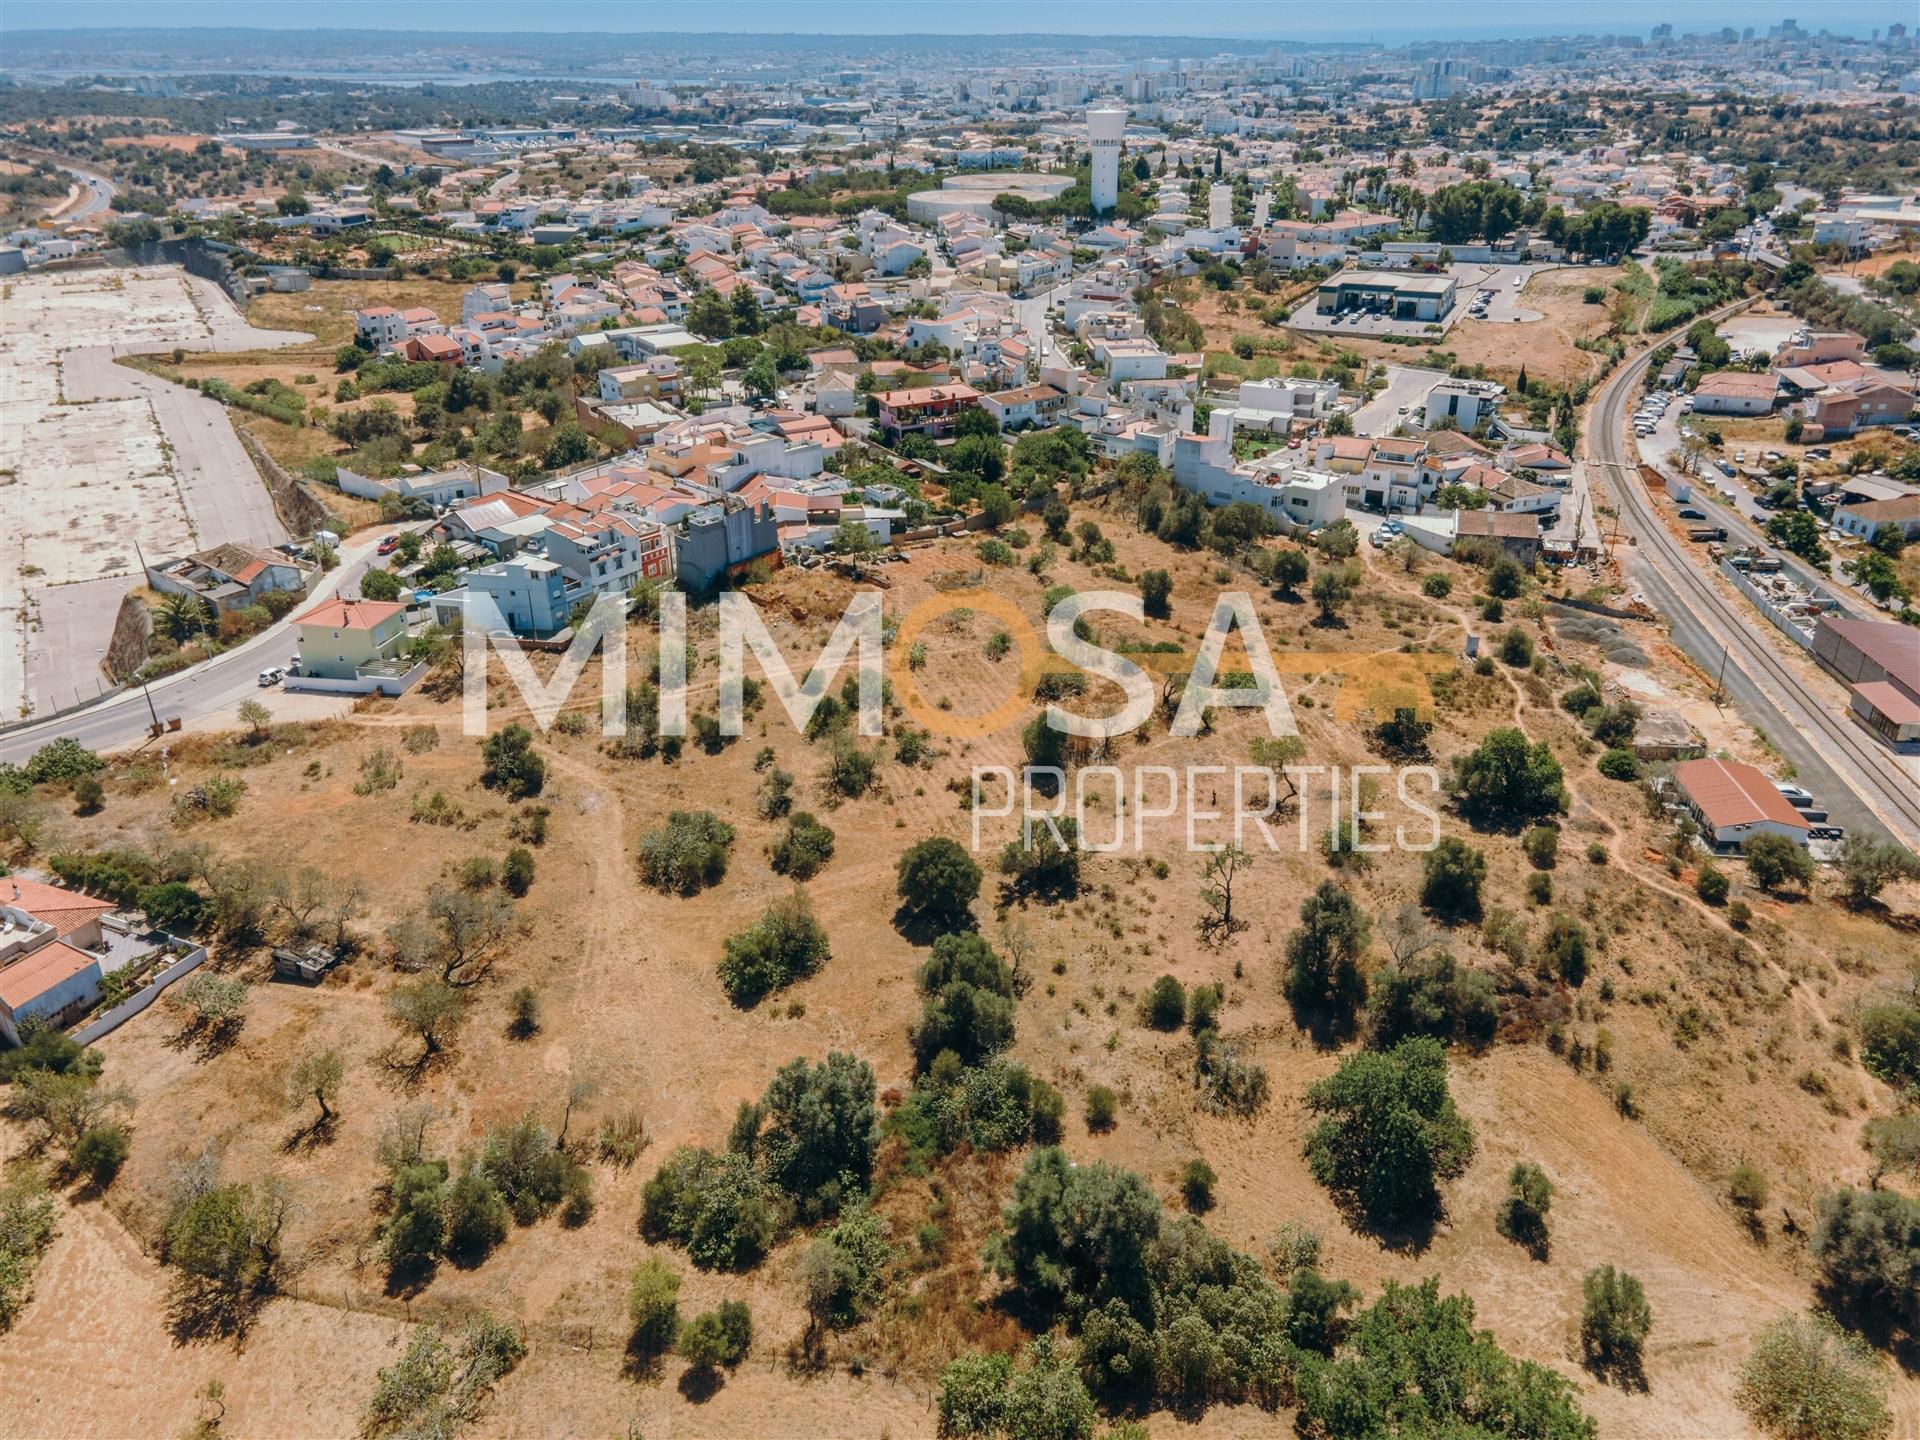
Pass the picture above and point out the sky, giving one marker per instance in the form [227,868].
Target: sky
[1388,21]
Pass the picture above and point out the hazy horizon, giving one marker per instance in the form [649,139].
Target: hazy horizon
[1386,22]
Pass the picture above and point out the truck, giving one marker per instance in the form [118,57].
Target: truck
[1700,534]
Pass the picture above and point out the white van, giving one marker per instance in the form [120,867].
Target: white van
[271,676]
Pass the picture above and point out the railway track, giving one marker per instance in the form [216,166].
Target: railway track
[1829,743]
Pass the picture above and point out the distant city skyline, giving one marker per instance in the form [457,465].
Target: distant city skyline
[1389,22]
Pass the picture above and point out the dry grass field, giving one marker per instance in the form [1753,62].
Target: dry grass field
[1715,1031]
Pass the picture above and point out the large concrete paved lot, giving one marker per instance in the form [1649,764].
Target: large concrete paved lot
[95,456]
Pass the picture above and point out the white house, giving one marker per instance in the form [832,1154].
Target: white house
[1465,402]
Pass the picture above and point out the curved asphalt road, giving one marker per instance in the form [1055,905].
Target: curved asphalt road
[99,194]
[214,685]
[1858,782]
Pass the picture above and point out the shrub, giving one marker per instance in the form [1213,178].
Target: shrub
[1807,1379]
[1516,648]
[1229,1084]
[1614,1322]
[1711,884]
[1505,578]
[1890,1043]
[1773,862]
[1436,586]
[1165,1004]
[687,853]
[969,1006]
[1565,948]
[803,848]
[813,1132]
[1867,1245]
[510,764]
[437,1386]
[653,1304]
[1509,778]
[843,1273]
[1324,981]
[524,1007]
[785,944]
[1432,994]
[1619,765]
[1156,591]
[516,871]
[719,1337]
[102,1150]
[1540,888]
[1102,1106]
[1450,880]
[938,880]
[1747,1189]
[1415,1365]
[1542,846]
[1522,1216]
[717,1206]
[477,1216]
[1389,1131]
[1196,1186]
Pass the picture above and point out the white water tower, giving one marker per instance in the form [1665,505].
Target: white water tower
[1104,129]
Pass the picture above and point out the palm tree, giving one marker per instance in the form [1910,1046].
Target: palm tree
[183,617]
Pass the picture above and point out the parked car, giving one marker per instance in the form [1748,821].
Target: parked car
[1795,795]
[271,676]
[1688,512]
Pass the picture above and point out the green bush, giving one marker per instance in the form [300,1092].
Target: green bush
[937,880]
[717,1206]
[1165,1004]
[1196,1186]
[1522,1217]
[803,848]
[1619,765]
[1615,1320]
[719,1337]
[1415,1365]
[510,764]
[653,1304]
[1389,1132]
[1890,1043]
[784,945]
[687,853]
[1102,1107]
[1807,1379]
[1451,876]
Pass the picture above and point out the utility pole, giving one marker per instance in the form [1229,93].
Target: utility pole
[146,693]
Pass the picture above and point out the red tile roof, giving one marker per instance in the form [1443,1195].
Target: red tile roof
[65,910]
[337,614]
[52,964]
[1728,793]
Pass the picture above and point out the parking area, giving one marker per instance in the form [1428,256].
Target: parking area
[1403,399]
[100,463]
[1501,284]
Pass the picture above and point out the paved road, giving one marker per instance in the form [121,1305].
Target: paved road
[219,684]
[1406,385]
[1743,515]
[219,488]
[1033,316]
[99,193]
[218,482]
[1858,782]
